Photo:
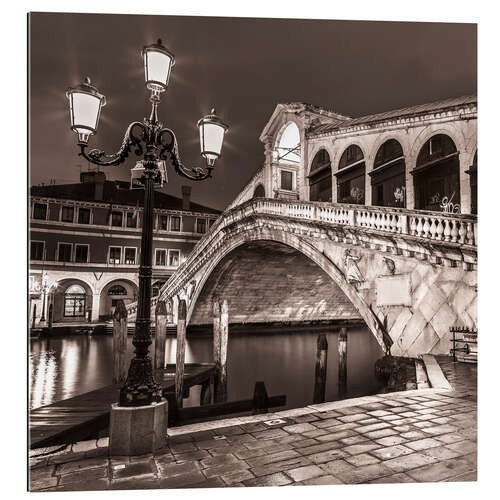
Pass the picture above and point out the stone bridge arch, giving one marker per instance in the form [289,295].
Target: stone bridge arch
[261,233]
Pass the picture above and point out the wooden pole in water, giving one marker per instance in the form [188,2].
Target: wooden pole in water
[119,343]
[224,334]
[260,399]
[50,315]
[181,349]
[34,316]
[342,363]
[321,364]
[160,335]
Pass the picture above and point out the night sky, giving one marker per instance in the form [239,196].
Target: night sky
[242,66]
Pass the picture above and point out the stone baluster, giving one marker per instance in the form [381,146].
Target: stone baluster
[418,230]
[462,232]
[447,230]
[413,226]
[425,227]
[351,217]
[454,231]
[439,230]
[470,234]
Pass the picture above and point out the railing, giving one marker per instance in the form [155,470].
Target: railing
[457,229]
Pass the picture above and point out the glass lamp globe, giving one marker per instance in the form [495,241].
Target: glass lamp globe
[212,130]
[158,62]
[85,103]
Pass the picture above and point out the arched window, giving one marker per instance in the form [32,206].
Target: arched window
[74,301]
[388,176]
[320,177]
[436,176]
[259,191]
[351,176]
[473,184]
[117,290]
[288,148]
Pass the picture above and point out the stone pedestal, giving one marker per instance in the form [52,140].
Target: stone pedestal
[137,430]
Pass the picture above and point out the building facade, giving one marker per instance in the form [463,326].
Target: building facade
[85,243]
[420,157]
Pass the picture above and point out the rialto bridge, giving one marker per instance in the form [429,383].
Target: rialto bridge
[408,274]
[368,218]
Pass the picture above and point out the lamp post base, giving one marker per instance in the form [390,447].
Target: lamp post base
[138,430]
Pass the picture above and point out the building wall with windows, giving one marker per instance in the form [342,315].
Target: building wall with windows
[419,157]
[88,249]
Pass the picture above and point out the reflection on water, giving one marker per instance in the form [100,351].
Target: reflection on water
[64,367]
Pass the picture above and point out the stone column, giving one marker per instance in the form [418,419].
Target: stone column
[368,181]
[410,163]
[465,160]
[95,306]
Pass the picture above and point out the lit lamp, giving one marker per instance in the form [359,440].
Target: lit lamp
[212,130]
[158,62]
[85,103]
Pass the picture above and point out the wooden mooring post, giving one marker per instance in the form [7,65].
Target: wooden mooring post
[320,373]
[119,343]
[342,363]
[160,335]
[34,316]
[180,354]
[260,399]
[50,316]
[220,340]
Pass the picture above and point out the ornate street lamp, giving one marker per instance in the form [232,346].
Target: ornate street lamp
[45,280]
[156,144]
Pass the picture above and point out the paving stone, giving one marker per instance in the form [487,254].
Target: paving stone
[183,447]
[240,438]
[319,447]
[258,452]
[210,444]
[170,470]
[316,433]
[336,466]
[213,482]
[394,478]
[326,456]
[328,414]
[304,473]
[233,430]
[252,445]
[408,462]
[423,444]
[335,436]
[380,434]
[300,419]
[368,421]
[413,435]
[391,452]
[237,476]
[354,439]
[362,459]
[357,449]
[299,428]
[390,440]
[84,475]
[466,477]
[254,427]
[379,413]
[291,438]
[389,418]
[364,473]
[273,457]
[441,453]
[89,463]
[291,463]
[463,447]
[322,480]
[221,470]
[353,418]
[329,422]
[182,480]
[303,443]
[43,472]
[402,428]
[422,425]
[441,470]
[373,427]
[218,460]
[189,456]
[277,479]
[271,433]
[440,429]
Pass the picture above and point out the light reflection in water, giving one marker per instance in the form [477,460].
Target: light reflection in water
[64,367]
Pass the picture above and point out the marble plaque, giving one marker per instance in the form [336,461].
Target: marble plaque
[394,290]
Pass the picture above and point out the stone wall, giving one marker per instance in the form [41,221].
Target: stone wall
[265,282]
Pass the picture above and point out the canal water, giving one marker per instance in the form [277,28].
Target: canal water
[62,367]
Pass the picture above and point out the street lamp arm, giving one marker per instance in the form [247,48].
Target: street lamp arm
[99,157]
[171,147]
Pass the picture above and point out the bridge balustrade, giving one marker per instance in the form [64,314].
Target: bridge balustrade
[436,226]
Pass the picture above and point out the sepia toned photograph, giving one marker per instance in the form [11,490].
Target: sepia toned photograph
[252,252]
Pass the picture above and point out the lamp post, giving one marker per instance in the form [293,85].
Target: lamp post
[155,144]
[45,280]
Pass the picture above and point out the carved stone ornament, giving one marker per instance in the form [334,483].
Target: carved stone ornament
[352,273]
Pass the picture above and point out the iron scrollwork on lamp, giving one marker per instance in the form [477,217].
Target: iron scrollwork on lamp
[156,144]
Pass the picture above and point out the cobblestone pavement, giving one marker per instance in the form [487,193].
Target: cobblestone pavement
[417,436]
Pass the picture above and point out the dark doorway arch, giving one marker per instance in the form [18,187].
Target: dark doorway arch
[320,177]
[351,176]
[436,177]
[74,302]
[259,191]
[388,176]
[473,185]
